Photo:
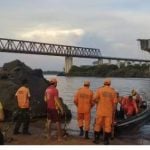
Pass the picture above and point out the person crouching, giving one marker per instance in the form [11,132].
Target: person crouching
[129,106]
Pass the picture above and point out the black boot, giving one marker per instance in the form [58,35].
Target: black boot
[17,127]
[81,131]
[106,138]
[96,137]
[86,135]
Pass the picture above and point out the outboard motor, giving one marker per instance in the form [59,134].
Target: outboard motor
[143,105]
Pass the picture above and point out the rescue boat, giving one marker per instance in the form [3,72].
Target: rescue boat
[133,122]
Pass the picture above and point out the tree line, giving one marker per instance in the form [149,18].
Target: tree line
[107,70]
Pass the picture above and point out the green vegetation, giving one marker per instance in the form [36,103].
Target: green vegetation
[54,73]
[105,70]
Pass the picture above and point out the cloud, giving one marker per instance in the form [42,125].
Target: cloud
[52,32]
[110,25]
[54,35]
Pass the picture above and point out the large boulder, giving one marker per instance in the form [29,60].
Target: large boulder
[11,76]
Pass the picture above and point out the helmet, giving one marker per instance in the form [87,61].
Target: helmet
[86,82]
[133,92]
[107,82]
[53,80]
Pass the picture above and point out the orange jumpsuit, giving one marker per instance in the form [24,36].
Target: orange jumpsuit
[106,99]
[83,101]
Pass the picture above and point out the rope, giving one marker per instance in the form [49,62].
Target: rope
[65,126]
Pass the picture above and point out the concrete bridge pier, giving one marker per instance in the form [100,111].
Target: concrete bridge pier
[100,61]
[125,63]
[109,61]
[118,63]
[68,63]
[140,63]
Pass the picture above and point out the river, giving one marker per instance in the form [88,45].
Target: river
[68,86]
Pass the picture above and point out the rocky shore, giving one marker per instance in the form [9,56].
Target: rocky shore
[11,76]
[38,137]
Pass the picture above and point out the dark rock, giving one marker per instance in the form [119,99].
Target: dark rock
[4,74]
[7,96]
[38,73]
[66,117]
[15,72]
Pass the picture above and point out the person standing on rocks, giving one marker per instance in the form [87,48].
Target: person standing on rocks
[83,101]
[53,105]
[23,116]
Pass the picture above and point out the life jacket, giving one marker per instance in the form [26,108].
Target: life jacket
[129,106]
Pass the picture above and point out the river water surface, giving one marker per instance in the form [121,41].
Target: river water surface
[68,86]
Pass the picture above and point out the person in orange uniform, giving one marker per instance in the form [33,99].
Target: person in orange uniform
[53,104]
[23,96]
[129,105]
[106,100]
[83,101]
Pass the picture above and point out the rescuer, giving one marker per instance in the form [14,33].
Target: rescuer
[130,107]
[136,97]
[106,100]
[83,101]
[52,100]
[23,116]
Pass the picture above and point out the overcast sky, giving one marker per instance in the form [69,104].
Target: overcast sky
[110,25]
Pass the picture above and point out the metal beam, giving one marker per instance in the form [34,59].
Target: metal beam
[38,48]
[30,47]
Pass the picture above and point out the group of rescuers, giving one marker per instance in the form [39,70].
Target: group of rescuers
[108,105]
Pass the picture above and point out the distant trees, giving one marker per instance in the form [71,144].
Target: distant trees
[112,70]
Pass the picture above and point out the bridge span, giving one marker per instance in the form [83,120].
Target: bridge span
[31,47]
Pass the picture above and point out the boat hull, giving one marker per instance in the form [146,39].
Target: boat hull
[133,123]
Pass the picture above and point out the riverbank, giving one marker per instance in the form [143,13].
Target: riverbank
[38,137]
[107,70]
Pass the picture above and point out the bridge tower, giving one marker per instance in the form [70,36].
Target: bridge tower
[68,63]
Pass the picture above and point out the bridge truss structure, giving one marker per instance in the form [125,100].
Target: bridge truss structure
[30,47]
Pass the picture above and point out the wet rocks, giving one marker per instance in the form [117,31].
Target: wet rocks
[11,76]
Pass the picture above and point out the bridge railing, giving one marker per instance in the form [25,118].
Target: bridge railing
[30,47]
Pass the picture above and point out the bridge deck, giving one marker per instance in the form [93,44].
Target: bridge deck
[30,47]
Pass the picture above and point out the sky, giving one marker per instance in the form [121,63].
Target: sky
[113,26]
